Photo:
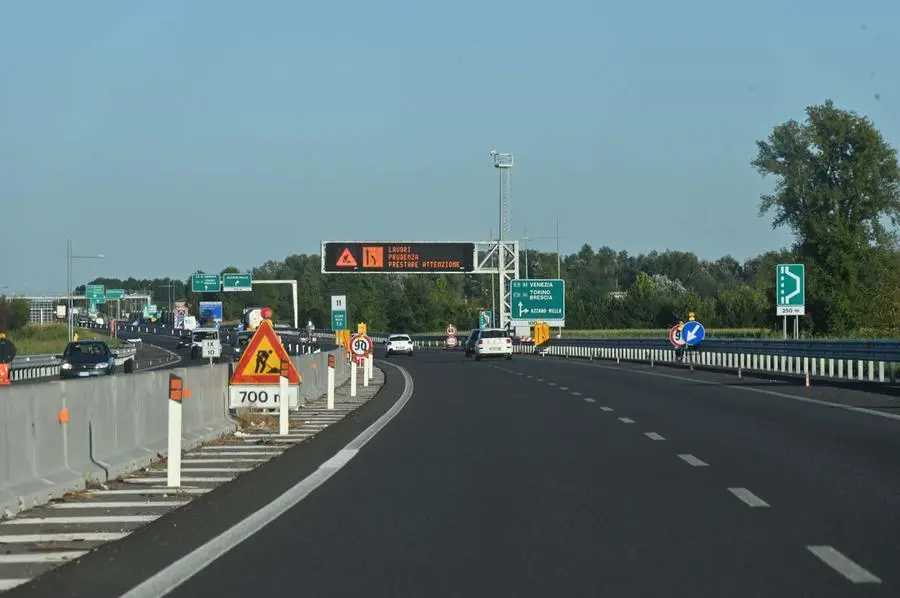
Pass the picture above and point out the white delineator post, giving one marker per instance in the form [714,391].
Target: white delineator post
[366,371]
[331,381]
[353,367]
[284,402]
[177,393]
[371,362]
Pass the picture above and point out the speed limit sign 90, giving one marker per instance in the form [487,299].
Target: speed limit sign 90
[360,345]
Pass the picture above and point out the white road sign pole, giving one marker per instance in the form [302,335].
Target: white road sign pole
[283,403]
[173,456]
[331,382]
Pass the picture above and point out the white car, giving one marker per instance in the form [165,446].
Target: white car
[399,344]
[493,342]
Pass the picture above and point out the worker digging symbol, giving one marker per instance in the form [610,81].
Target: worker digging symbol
[262,356]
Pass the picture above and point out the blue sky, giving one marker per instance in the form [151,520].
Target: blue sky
[173,136]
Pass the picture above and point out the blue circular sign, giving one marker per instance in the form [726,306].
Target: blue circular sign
[693,333]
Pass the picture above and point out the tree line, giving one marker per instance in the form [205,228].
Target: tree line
[837,187]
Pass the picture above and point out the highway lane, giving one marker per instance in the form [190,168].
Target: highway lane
[543,477]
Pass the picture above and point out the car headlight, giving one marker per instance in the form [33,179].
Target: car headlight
[66,366]
[101,366]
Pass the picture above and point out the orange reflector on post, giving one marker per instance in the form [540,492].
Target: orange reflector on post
[4,374]
[63,417]
[285,368]
[176,388]
[331,361]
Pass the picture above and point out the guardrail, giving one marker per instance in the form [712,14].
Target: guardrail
[849,360]
[34,367]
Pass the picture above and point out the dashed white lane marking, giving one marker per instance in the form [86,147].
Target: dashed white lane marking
[606,409]
[191,461]
[843,565]
[8,584]
[40,557]
[529,376]
[653,436]
[564,388]
[161,481]
[626,420]
[166,491]
[247,450]
[215,469]
[79,520]
[692,460]
[589,400]
[552,383]
[540,379]
[129,504]
[750,499]
[65,537]
[575,393]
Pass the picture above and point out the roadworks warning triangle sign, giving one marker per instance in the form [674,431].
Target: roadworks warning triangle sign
[261,361]
[347,260]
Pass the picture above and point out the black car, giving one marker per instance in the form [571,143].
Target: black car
[471,340]
[184,341]
[83,359]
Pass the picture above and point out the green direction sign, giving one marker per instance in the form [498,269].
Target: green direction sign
[115,293]
[339,320]
[94,291]
[237,282]
[206,283]
[485,318]
[790,290]
[538,300]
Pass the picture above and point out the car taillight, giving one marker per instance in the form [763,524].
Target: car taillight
[509,341]
[481,341]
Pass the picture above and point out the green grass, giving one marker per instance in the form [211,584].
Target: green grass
[52,338]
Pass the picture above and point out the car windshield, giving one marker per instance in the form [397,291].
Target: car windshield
[205,334]
[399,337]
[493,334]
[81,349]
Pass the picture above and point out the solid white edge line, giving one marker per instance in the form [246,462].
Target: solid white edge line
[41,557]
[168,579]
[772,393]
[8,584]
[843,565]
[748,498]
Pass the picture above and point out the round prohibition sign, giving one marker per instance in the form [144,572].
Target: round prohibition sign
[360,345]
[675,337]
[451,330]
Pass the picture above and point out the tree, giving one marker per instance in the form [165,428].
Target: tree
[13,314]
[838,183]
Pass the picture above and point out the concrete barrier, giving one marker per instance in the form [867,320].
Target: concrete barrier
[58,436]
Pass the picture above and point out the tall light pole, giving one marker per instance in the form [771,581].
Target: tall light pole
[503,162]
[69,300]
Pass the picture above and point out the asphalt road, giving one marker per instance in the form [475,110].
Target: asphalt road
[543,477]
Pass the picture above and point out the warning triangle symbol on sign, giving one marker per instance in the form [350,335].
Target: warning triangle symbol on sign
[261,361]
[347,260]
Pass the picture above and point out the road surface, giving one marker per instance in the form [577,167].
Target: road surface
[544,477]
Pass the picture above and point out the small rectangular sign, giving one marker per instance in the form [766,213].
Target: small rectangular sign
[260,396]
[206,283]
[237,283]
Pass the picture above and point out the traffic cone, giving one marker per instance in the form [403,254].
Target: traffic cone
[4,374]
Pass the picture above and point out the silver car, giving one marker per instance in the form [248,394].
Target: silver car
[399,344]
